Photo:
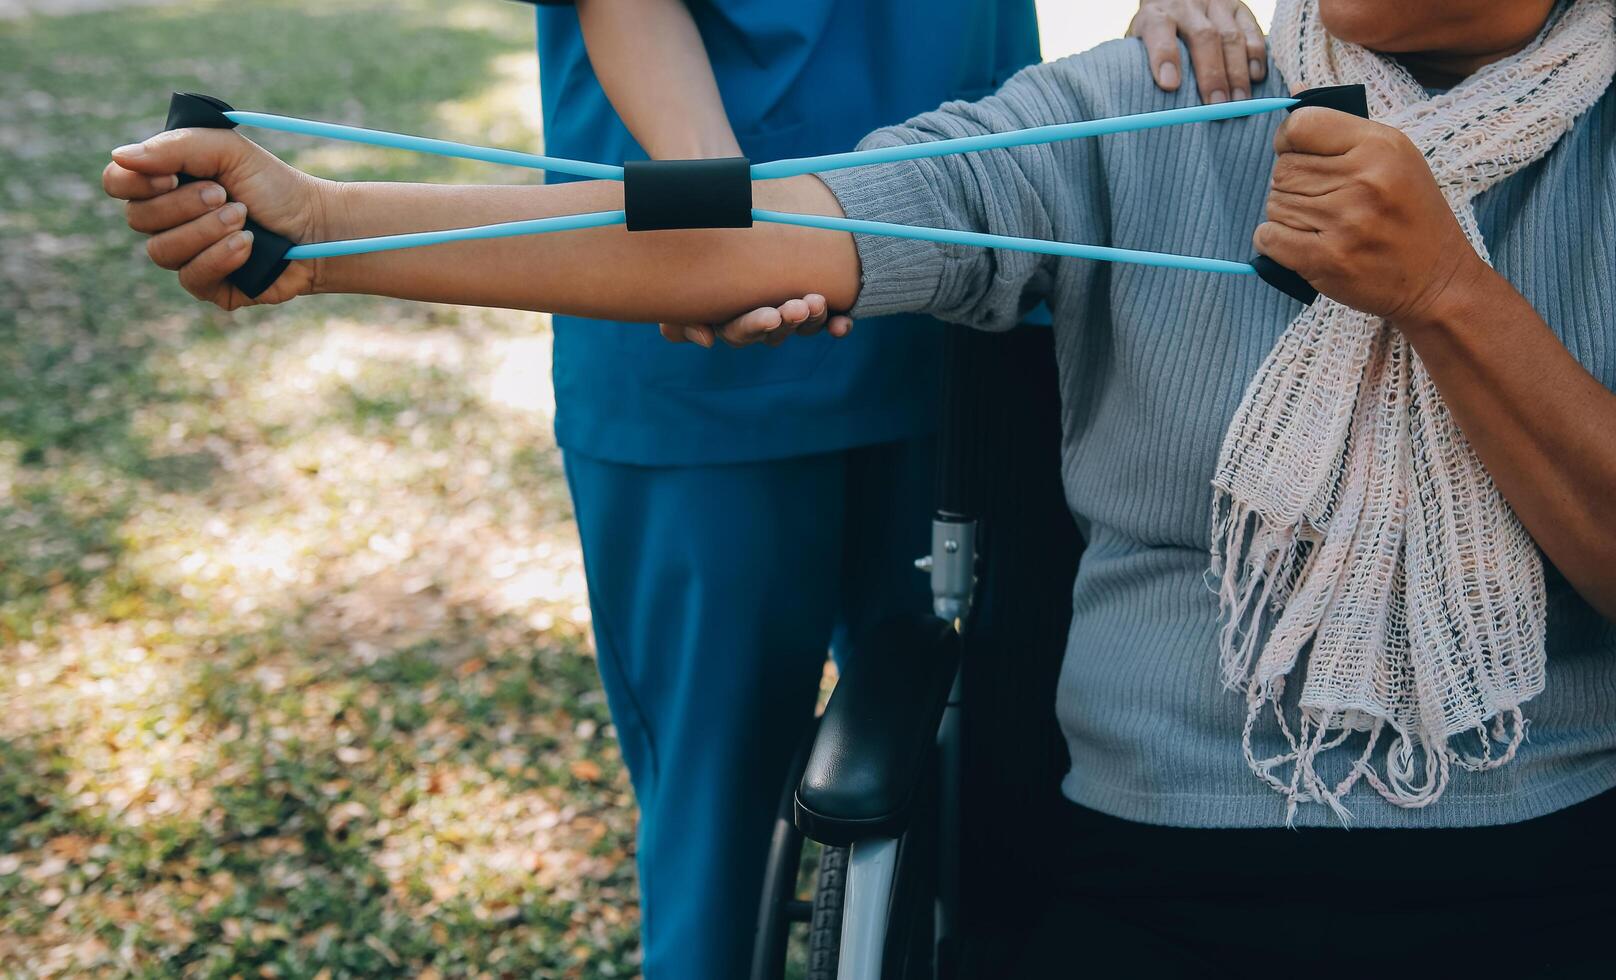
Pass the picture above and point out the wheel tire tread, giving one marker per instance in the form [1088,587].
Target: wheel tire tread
[825,931]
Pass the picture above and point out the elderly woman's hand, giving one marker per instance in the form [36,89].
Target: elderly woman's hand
[1226,45]
[194,231]
[772,325]
[1356,212]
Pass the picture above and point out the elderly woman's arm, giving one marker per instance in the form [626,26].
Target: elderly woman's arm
[693,276]
[1544,426]
[1356,211]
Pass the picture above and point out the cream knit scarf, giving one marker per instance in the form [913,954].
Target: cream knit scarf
[1360,547]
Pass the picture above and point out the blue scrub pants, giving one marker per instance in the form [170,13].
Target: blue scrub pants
[716,591]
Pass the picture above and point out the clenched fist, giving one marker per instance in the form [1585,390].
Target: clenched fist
[1356,212]
[196,228]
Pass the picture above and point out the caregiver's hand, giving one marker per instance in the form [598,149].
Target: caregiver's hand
[1226,45]
[771,325]
[194,231]
[1355,211]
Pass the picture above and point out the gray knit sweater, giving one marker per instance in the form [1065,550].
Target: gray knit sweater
[1152,365]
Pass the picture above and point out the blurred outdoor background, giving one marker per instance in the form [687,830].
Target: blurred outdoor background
[295,668]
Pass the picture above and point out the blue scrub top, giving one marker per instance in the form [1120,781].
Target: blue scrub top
[798,77]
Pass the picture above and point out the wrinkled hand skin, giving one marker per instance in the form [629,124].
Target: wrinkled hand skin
[1354,210]
[1224,39]
[196,229]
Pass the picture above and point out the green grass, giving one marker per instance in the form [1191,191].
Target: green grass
[294,667]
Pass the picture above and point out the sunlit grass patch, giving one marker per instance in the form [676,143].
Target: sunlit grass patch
[294,666]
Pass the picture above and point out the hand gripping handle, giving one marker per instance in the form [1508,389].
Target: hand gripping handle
[266,262]
[1342,98]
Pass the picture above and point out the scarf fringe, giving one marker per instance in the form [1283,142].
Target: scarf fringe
[1257,567]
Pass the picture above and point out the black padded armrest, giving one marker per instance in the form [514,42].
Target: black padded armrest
[878,731]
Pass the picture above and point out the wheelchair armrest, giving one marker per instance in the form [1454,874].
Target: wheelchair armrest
[878,732]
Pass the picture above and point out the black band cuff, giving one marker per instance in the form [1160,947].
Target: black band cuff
[660,195]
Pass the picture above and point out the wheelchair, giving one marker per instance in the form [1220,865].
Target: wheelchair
[905,847]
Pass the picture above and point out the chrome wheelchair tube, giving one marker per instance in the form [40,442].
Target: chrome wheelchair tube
[871,870]
[950,765]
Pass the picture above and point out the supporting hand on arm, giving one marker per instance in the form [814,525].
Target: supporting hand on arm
[1226,45]
[1355,210]
[653,66]
[678,276]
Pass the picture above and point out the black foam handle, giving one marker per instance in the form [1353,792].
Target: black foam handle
[266,262]
[1350,99]
[661,195]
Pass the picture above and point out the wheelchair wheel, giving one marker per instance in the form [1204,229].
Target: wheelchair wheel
[909,950]
[784,906]
[794,861]
[825,930]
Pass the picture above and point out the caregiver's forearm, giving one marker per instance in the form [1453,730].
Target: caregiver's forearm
[652,64]
[671,276]
[1543,426]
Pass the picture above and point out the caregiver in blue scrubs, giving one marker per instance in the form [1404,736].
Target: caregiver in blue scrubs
[744,510]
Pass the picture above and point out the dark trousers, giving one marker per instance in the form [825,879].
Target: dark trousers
[1534,898]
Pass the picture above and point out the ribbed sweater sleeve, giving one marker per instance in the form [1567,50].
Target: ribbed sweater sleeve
[1049,191]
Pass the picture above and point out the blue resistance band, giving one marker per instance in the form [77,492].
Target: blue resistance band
[421,144]
[682,188]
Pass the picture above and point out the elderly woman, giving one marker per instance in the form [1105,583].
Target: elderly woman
[1404,490]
